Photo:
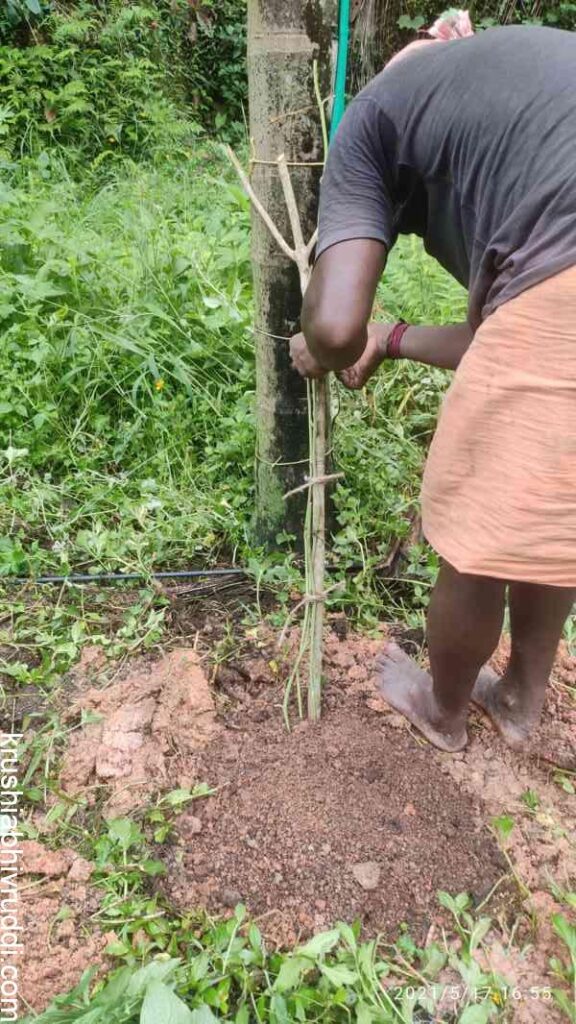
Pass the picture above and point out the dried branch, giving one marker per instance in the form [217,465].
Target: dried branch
[315,598]
[315,480]
[257,204]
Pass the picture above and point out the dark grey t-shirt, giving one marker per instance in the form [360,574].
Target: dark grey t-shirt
[471,145]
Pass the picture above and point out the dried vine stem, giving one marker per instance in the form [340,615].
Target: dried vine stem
[315,530]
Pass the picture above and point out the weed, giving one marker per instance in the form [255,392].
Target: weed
[503,826]
[163,814]
[566,931]
[565,780]
[531,800]
[227,972]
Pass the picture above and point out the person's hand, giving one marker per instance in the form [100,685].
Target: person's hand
[355,377]
[303,360]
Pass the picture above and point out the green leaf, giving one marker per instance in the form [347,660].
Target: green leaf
[88,717]
[124,832]
[113,993]
[339,975]
[479,930]
[203,1015]
[407,1003]
[347,934]
[117,949]
[320,944]
[448,902]
[33,6]
[279,1010]
[479,1014]
[177,797]
[291,973]
[157,970]
[162,1006]
[566,931]
[153,867]
[565,1004]
[255,938]
[433,960]
[405,21]
[503,825]
[364,1014]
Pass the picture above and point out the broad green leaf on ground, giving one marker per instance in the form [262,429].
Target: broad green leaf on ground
[320,944]
[291,973]
[203,1015]
[158,970]
[339,974]
[162,1006]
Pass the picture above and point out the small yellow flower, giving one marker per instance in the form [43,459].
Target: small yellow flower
[159,384]
[112,139]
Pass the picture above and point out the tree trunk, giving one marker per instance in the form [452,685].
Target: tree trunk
[284,39]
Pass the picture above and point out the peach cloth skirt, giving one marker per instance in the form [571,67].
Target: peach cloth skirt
[499,489]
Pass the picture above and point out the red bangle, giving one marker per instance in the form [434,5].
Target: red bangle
[394,339]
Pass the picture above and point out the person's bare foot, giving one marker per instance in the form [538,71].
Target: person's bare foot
[408,689]
[491,694]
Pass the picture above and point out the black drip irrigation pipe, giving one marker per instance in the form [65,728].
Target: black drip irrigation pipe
[121,577]
[111,577]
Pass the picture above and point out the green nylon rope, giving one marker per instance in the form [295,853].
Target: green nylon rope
[341,67]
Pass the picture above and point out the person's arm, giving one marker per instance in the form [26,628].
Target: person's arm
[339,301]
[435,346]
[355,231]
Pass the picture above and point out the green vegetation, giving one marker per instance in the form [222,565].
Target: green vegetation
[128,377]
[101,79]
[333,977]
[127,443]
[198,970]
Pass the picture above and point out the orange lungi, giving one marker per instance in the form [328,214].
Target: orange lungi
[499,489]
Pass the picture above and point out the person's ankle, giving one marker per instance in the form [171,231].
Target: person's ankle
[448,720]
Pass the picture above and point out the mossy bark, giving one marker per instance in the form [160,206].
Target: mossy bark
[285,37]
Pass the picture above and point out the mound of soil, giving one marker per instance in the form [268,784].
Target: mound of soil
[349,818]
[159,715]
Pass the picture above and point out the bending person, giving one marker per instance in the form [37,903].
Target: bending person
[470,144]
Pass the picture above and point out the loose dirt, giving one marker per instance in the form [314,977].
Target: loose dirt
[58,941]
[348,819]
[354,818]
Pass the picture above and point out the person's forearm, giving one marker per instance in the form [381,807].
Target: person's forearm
[334,344]
[339,300]
[436,346]
[331,356]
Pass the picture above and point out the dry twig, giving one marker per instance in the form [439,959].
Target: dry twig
[314,602]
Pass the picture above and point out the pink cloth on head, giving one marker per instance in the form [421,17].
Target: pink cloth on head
[450,26]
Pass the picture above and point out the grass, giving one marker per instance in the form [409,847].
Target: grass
[126,418]
[127,421]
